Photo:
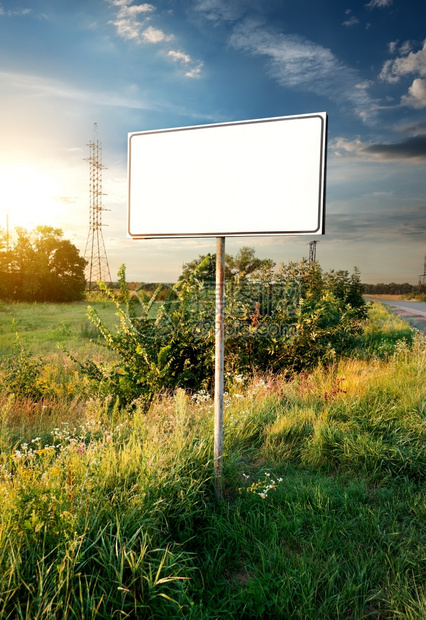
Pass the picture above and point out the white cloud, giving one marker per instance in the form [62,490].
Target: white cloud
[127,29]
[405,48]
[413,62]
[408,63]
[416,97]
[352,21]
[296,62]
[136,9]
[131,24]
[378,4]
[15,13]
[127,8]
[185,59]
[21,13]
[154,35]
[131,27]
[340,147]
[179,56]
[195,72]
[364,85]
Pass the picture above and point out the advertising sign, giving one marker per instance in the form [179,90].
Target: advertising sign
[247,178]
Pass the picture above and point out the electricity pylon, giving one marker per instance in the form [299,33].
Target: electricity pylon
[95,252]
[313,251]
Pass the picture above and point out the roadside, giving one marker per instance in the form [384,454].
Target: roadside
[414,312]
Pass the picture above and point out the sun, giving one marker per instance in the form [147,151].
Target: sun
[28,196]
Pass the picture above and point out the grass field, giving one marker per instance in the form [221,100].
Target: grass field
[43,326]
[108,513]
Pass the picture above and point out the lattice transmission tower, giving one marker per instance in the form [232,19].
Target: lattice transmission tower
[95,252]
[313,251]
[422,276]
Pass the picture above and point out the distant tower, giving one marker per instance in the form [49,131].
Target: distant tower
[95,253]
[313,251]
[422,277]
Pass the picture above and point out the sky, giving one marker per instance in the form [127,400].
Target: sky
[129,66]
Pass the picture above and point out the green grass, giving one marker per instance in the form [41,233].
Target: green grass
[34,339]
[45,325]
[107,513]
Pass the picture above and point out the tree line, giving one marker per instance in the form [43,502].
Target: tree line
[390,289]
[40,266]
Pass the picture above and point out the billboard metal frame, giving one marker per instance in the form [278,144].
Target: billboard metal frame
[184,209]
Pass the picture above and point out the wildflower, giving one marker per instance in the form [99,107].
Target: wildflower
[201,396]
[45,450]
[27,473]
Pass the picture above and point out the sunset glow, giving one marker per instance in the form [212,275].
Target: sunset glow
[29,196]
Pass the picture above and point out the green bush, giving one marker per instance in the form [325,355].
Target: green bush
[279,322]
[21,373]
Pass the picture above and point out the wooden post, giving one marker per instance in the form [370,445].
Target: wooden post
[219,364]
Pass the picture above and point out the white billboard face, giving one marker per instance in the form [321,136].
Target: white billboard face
[248,178]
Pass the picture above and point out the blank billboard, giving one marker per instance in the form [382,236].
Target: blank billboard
[248,178]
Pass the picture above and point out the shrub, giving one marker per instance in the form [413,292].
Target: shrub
[21,373]
[285,321]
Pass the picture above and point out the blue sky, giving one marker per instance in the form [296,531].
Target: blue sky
[134,66]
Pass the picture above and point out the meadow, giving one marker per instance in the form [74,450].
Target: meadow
[110,512]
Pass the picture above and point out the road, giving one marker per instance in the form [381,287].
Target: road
[412,311]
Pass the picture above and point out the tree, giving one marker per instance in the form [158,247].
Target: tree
[246,263]
[204,267]
[242,266]
[42,266]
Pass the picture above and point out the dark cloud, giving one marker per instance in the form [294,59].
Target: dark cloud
[411,148]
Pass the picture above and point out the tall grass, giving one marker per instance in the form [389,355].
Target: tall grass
[109,513]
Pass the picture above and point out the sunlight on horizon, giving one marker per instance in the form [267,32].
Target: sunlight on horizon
[29,196]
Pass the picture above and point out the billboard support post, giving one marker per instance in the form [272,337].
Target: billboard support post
[271,168]
[219,365]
